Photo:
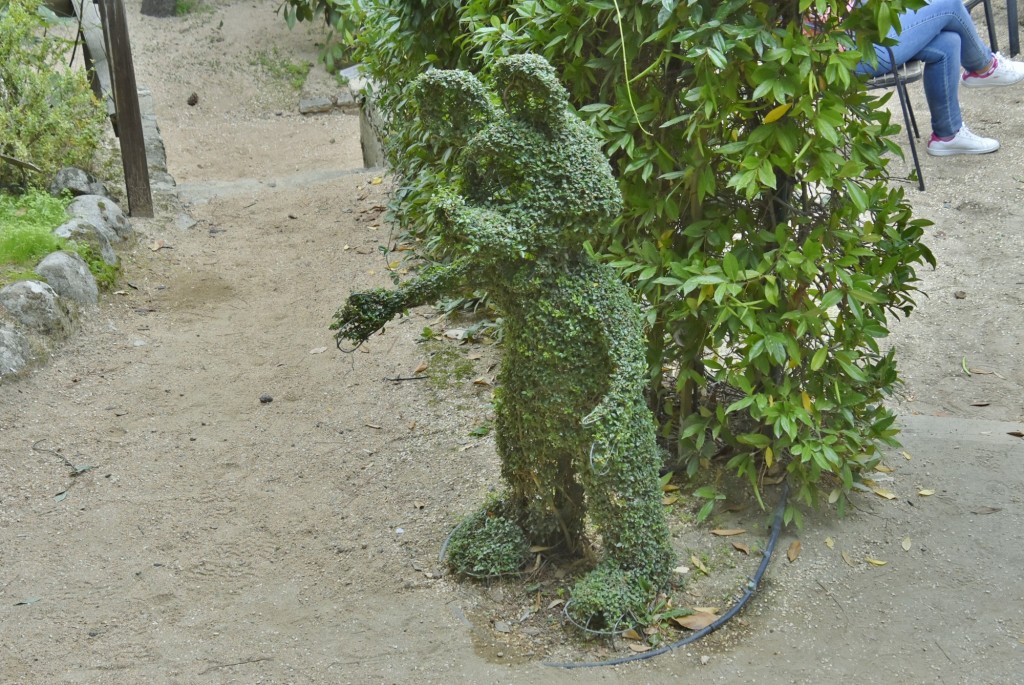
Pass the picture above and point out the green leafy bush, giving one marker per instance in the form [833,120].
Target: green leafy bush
[761,227]
[48,115]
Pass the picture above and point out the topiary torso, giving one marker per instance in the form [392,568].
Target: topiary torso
[572,428]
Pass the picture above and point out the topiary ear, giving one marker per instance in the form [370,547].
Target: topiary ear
[453,104]
[530,90]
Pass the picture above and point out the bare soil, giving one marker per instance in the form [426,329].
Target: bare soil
[199,488]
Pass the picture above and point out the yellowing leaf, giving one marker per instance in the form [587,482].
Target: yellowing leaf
[926,493]
[830,543]
[632,635]
[906,544]
[794,551]
[806,399]
[882,492]
[699,565]
[672,499]
[847,559]
[696,621]
[705,610]
[769,457]
[906,455]
[741,547]
[882,468]
[777,113]
[875,562]
[669,487]
[726,532]
[377,180]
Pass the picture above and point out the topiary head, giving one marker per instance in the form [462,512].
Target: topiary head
[531,160]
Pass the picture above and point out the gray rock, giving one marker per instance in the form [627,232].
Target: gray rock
[15,350]
[37,306]
[315,105]
[102,213]
[77,182]
[83,231]
[345,99]
[69,276]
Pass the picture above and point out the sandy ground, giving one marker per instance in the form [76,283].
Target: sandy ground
[209,537]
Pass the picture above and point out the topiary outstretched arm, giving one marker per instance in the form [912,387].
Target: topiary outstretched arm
[368,311]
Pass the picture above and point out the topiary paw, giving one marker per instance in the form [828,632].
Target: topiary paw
[487,544]
[608,599]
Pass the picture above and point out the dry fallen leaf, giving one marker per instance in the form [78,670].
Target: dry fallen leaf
[318,350]
[669,487]
[906,455]
[637,647]
[847,559]
[875,562]
[672,499]
[882,468]
[555,603]
[696,621]
[699,564]
[540,548]
[925,493]
[882,492]
[421,367]
[681,570]
[830,543]
[986,510]
[481,381]
[906,544]
[705,610]
[158,245]
[742,547]
[725,532]
[632,635]
[794,551]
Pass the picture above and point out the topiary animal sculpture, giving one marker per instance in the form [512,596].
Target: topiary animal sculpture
[573,431]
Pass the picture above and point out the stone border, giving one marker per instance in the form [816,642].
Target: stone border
[37,315]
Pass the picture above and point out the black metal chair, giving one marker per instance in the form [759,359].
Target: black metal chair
[898,77]
[989,20]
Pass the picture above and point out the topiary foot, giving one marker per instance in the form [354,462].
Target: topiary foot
[486,544]
[609,598]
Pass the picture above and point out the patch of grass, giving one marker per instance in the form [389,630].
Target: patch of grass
[26,227]
[447,365]
[279,66]
[183,7]
[26,236]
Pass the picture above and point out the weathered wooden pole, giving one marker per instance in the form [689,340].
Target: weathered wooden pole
[128,123]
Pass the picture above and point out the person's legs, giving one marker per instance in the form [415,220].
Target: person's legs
[920,27]
[942,82]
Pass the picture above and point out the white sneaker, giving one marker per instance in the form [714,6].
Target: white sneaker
[963,143]
[1006,72]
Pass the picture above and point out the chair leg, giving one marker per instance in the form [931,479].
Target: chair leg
[911,127]
[991,23]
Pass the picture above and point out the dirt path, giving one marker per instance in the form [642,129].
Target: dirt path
[218,538]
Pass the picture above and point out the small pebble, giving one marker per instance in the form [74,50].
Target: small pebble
[960,295]
[266,399]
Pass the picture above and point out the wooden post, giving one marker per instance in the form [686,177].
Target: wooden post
[126,102]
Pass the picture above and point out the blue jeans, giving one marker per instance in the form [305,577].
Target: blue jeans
[942,35]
